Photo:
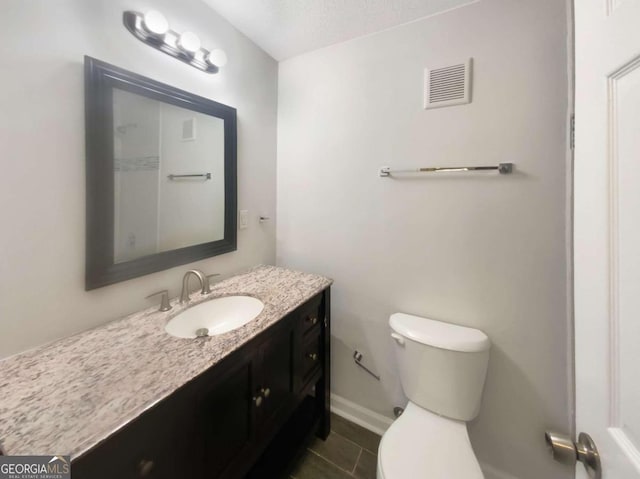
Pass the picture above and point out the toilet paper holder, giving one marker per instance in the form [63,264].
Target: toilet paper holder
[357,357]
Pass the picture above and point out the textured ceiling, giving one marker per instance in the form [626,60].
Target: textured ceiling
[285,28]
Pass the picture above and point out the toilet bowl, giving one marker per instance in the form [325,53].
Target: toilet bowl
[421,444]
[442,370]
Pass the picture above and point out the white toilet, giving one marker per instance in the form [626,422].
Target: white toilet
[442,370]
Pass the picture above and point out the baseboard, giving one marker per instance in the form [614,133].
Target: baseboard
[491,472]
[359,415]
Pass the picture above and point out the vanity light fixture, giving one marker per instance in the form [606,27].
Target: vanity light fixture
[189,43]
[217,57]
[153,29]
[155,23]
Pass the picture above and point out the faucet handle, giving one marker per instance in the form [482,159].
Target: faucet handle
[206,287]
[164,300]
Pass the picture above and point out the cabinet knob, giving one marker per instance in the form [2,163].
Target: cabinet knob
[258,401]
[313,356]
[312,320]
[145,467]
[266,392]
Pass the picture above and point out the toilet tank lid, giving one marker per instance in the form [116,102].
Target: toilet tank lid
[438,334]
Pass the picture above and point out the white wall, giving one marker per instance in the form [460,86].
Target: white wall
[473,249]
[42,181]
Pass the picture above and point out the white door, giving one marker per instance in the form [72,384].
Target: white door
[607,232]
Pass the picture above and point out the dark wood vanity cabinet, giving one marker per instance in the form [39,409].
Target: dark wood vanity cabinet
[226,415]
[275,385]
[244,409]
[268,394]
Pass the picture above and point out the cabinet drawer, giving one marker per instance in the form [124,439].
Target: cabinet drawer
[311,355]
[310,316]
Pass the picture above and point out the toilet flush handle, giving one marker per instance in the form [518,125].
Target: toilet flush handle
[399,339]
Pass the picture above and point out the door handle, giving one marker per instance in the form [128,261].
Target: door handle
[565,451]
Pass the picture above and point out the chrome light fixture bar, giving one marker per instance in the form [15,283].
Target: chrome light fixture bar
[153,29]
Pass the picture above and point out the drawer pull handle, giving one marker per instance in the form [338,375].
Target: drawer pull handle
[258,401]
[145,467]
[313,320]
[266,392]
[313,356]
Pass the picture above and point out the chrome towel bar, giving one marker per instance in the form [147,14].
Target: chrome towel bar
[502,168]
[206,176]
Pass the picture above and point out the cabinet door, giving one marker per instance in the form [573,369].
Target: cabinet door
[157,445]
[226,412]
[275,383]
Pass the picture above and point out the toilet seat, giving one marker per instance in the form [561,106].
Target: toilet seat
[423,445]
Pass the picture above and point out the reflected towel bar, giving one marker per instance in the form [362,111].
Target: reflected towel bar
[206,176]
[502,168]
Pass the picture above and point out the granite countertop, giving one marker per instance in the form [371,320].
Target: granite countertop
[67,396]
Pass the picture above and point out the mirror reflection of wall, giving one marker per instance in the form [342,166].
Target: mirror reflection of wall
[153,212]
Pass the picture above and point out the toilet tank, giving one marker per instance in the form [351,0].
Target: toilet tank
[442,366]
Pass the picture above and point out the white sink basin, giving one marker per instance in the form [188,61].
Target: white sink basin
[215,316]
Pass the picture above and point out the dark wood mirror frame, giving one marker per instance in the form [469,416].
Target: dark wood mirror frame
[100,79]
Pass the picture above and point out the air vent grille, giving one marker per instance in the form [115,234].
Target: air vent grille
[189,129]
[446,86]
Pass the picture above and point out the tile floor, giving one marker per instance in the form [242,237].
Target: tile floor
[349,452]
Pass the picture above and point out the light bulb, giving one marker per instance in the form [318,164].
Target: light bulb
[155,23]
[189,42]
[217,58]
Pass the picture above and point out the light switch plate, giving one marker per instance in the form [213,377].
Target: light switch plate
[244,219]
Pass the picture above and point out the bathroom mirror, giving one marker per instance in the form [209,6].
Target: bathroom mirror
[161,175]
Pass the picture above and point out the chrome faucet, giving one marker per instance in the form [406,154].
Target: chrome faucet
[184,296]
